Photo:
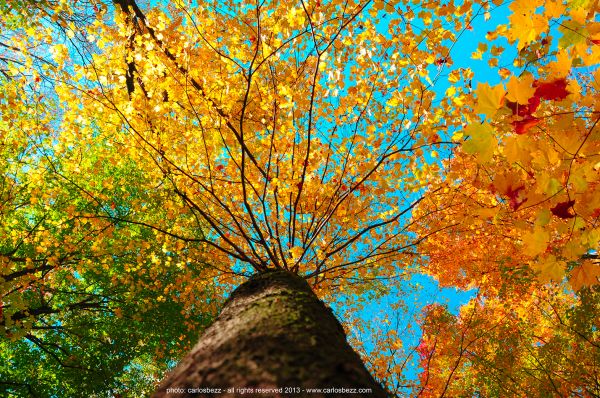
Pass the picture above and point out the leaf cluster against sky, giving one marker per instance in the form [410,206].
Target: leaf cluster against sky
[155,155]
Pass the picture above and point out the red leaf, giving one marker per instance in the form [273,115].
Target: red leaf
[113,205]
[522,126]
[597,41]
[423,349]
[514,196]
[533,103]
[562,210]
[524,110]
[555,90]
[219,167]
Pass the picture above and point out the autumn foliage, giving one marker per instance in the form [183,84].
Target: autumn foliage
[155,154]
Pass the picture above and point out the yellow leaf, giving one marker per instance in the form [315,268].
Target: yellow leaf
[591,237]
[561,67]
[577,179]
[579,14]
[547,185]
[504,73]
[536,242]
[517,149]
[476,55]
[554,8]
[296,252]
[454,76]
[550,269]
[520,89]
[574,249]
[569,140]
[525,27]
[489,98]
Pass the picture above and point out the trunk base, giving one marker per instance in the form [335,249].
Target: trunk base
[273,334]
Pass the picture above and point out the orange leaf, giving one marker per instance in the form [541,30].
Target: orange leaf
[586,274]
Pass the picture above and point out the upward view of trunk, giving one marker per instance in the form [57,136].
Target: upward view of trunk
[273,338]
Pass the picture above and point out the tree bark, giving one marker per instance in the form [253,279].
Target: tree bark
[273,334]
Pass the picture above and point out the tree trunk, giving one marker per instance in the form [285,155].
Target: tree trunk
[273,334]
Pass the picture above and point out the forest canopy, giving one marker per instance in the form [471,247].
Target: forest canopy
[154,155]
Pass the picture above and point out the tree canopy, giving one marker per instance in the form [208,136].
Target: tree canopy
[155,154]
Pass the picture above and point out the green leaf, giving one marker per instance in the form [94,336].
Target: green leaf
[481,141]
[573,33]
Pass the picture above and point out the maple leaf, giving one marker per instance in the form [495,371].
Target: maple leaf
[525,27]
[555,90]
[489,99]
[520,89]
[554,9]
[550,269]
[562,65]
[583,275]
[481,142]
[563,209]
[536,241]
[573,32]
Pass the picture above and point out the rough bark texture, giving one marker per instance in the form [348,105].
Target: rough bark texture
[273,333]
